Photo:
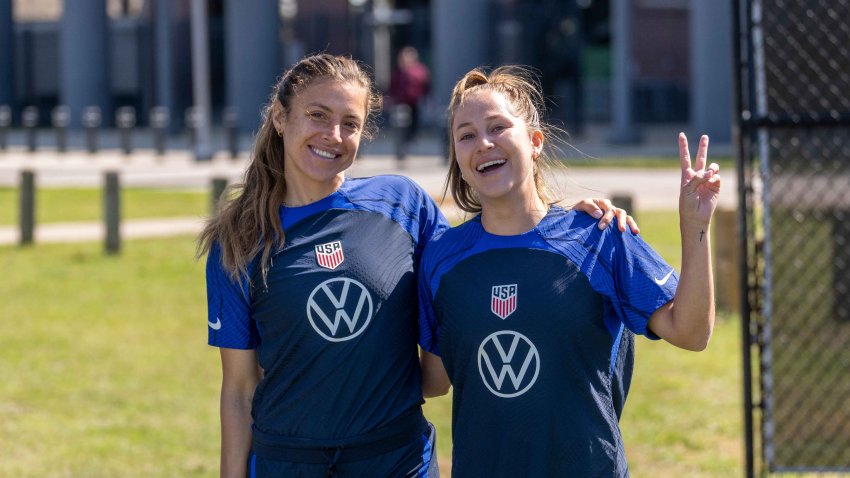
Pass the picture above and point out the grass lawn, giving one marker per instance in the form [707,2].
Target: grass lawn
[106,371]
[86,204]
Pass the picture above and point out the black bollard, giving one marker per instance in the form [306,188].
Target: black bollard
[231,125]
[27,207]
[60,118]
[159,119]
[5,122]
[112,212]
[400,120]
[29,119]
[218,187]
[125,119]
[624,201]
[91,121]
[190,120]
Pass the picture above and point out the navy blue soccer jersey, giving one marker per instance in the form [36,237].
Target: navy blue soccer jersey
[335,323]
[536,332]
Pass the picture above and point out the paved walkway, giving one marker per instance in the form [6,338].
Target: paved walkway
[650,188]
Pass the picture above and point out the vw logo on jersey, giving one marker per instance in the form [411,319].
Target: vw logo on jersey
[508,354]
[503,300]
[339,309]
[329,255]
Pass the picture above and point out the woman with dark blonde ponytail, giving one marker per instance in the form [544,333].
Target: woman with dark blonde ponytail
[311,289]
[529,310]
[311,293]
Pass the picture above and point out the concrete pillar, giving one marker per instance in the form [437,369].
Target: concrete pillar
[252,49]
[460,41]
[164,89]
[201,80]
[7,59]
[84,58]
[623,128]
[711,69]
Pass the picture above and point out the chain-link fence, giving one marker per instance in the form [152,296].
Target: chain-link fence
[794,172]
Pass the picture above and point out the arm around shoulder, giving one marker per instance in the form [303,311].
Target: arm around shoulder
[435,380]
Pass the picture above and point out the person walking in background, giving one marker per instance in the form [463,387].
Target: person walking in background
[532,309]
[311,292]
[410,83]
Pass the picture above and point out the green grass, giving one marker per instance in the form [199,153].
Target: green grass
[86,204]
[106,371]
[577,160]
[104,363]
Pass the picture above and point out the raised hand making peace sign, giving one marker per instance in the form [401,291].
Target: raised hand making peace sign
[700,185]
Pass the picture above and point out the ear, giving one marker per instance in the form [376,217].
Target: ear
[278,116]
[537,142]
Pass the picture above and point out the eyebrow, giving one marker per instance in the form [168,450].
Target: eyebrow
[468,123]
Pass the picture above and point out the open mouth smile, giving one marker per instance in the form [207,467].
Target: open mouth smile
[490,165]
[323,154]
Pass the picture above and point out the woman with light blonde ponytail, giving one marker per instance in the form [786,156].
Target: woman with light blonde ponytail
[529,310]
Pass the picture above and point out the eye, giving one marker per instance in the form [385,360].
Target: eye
[352,125]
[465,136]
[317,115]
[498,128]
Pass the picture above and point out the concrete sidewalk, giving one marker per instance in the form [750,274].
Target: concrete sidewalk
[651,189]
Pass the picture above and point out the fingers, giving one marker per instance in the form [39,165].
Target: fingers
[608,217]
[589,205]
[621,219]
[630,221]
[702,153]
[684,154]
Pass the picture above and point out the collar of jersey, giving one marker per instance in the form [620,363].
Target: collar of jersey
[289,215]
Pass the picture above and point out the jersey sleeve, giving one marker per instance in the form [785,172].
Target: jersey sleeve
[432,222]
[641,281]
[229,321]
[632,278]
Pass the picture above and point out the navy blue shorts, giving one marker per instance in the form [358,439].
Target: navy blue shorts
[417,459]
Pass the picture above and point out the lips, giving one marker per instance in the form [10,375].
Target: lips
[323,153]
[490,165]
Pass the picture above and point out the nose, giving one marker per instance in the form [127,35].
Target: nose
[484,144]
[333,133]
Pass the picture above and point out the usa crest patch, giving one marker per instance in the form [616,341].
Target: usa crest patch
[503,300]
[329,255]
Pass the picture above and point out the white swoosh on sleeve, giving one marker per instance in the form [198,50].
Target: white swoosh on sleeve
[658,281]
[217,324]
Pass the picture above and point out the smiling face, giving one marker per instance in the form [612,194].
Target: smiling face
[321,135]
[495,148]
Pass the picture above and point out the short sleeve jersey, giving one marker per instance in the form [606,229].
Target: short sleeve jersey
[334,324]
[536,332]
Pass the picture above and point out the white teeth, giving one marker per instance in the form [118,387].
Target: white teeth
[481,167]
[323,154]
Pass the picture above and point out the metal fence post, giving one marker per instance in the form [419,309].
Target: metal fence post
[60,117]
[5,122]
[125,119]
[92,119]
[160,118]
[29,119]
[231,124]
[27,204]
[112,212]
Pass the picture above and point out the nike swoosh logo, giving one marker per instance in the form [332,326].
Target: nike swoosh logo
[664,279]
[215,325]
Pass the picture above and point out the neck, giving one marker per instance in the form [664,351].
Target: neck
[300,194]
[509,217]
